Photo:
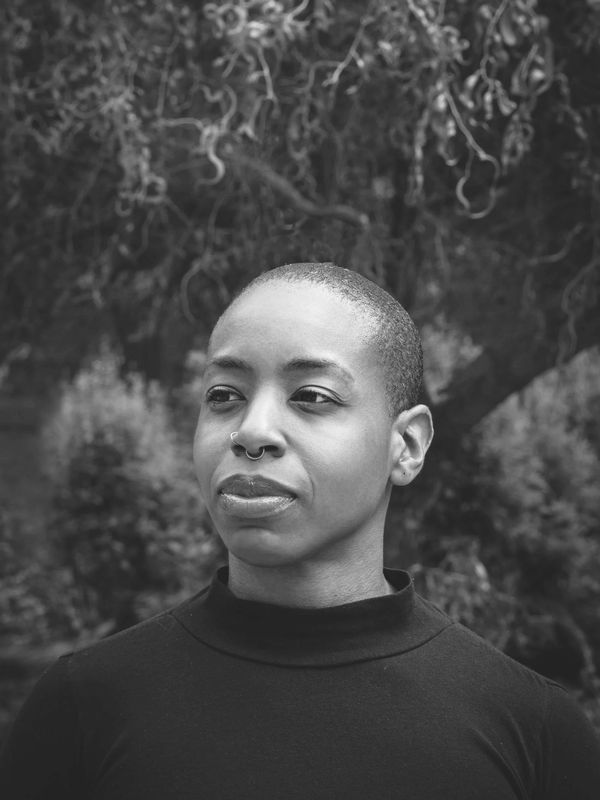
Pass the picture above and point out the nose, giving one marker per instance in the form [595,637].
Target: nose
[260,428]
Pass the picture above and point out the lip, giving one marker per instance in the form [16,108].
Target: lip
[254,507]
[254,486]
[254,496]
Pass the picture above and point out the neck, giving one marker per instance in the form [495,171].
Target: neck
[305,585]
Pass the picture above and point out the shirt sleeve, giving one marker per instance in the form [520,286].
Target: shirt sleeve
[40,758]
[571,748]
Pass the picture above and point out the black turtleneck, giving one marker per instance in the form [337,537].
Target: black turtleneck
[229,698]
[313,637]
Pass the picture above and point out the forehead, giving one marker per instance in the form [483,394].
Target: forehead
[282,320]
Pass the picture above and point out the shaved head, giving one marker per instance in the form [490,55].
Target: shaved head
[392,332]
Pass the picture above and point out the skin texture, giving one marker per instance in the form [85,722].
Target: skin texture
[328,438]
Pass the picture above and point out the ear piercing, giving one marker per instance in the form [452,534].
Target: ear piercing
[255,457]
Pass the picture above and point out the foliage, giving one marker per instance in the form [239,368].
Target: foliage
[156,153]
[127,519]
[547,448]
[520,521]
[157,147]
[37,599]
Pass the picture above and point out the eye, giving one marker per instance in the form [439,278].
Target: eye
[220,396]
[314,395]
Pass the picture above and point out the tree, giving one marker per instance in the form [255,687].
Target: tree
[157,151]
[157,155]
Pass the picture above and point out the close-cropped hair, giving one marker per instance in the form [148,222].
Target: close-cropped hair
[393,333]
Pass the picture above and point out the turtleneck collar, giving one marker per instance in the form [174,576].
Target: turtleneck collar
[311,637]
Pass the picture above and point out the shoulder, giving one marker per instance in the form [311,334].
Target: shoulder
[569,750]
[143,648]
[488,673]
[464,664]
[478,657]
[489,691]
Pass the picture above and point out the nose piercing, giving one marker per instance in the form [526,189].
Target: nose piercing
[261,453]
[261,450]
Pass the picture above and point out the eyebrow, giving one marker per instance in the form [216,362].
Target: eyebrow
[295,365]
[228,362]
[318,365]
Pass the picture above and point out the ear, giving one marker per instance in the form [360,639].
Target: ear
[411,436]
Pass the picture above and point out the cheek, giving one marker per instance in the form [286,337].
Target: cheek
[352,468]
[205,457]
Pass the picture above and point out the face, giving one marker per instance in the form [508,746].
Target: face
[291,370]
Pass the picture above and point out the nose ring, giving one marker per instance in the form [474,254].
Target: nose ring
[261,453]
[261,450]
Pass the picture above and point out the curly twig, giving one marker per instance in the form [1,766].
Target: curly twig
[554,258]
[285,188]
[568,302]
[352,54]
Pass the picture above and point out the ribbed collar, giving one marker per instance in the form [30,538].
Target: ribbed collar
[314,637]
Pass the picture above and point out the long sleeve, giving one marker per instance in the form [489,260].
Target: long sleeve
[571,750]
[41,756]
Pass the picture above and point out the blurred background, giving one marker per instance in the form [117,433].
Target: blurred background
[158,154]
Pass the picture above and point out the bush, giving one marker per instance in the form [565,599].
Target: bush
[127,521]
[36,600]
[512,546]
[545,450]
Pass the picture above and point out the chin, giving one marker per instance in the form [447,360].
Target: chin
[258,547]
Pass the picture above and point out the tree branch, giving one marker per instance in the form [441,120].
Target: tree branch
[282,186]
[508,363]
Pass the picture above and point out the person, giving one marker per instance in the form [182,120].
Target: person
[305,669]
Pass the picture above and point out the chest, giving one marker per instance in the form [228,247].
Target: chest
[256,732]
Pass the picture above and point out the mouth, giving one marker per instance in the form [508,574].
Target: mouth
[254,496]
[254,486]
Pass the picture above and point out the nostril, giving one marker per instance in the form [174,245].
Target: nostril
[237,448]
[256,447]
[256,453]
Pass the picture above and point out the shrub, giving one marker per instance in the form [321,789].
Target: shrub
[36,602]
[127,520]
[512,546]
